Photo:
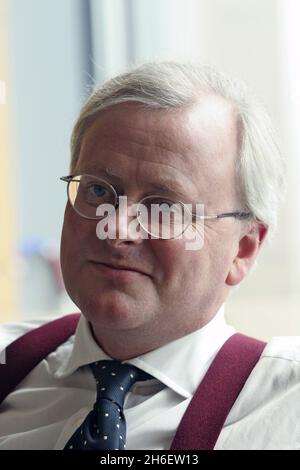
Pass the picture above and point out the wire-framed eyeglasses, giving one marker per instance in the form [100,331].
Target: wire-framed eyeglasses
[159,216]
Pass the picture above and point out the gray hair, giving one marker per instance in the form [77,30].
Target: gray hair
[169,84]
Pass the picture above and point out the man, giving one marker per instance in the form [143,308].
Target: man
[163,133]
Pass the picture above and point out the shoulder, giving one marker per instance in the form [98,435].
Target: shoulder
[275,380]
[286,348]
[278,368]
[10,331]
[266,413]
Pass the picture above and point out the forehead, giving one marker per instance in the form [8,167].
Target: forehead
[197,142]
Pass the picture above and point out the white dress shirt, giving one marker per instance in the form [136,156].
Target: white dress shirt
[54,399]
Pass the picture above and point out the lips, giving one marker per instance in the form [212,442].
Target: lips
[120,267]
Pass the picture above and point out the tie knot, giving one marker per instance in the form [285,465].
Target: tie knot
[114,379]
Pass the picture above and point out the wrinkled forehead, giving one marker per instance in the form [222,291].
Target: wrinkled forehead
[196,147]
[197,144]
[204,127]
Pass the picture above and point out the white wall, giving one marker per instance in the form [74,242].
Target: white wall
[46,79]
[48,70]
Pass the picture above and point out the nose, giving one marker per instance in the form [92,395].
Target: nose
[123,224]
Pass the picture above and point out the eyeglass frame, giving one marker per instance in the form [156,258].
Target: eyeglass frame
[240,215]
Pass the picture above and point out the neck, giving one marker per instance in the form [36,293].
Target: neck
[130,343]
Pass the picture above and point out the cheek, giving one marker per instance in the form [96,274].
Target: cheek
[177,265]
[218,253]
[75,232]
[182,268]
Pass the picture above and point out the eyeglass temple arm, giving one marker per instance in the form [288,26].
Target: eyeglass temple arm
[237,215]
[67,179]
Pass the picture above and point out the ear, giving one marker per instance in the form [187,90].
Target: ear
[249,246]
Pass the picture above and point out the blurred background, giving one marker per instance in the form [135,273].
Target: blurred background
[51,51]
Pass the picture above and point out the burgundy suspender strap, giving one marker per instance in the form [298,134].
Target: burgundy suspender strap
[206,414]
[26,352]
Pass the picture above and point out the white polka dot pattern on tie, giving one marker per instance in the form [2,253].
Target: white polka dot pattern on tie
[105,428]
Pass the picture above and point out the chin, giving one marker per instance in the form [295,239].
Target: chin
[114,310]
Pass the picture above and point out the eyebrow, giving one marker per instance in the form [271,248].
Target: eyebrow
[166,185]
[169,186]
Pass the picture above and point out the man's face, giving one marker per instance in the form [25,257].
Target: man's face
[181,290]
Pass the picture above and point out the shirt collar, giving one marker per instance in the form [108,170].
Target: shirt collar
[180,364]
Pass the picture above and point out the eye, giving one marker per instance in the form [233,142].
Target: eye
[97,190]
[95,193]
[164,205]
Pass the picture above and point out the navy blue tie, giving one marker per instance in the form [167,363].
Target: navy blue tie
[104,428]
